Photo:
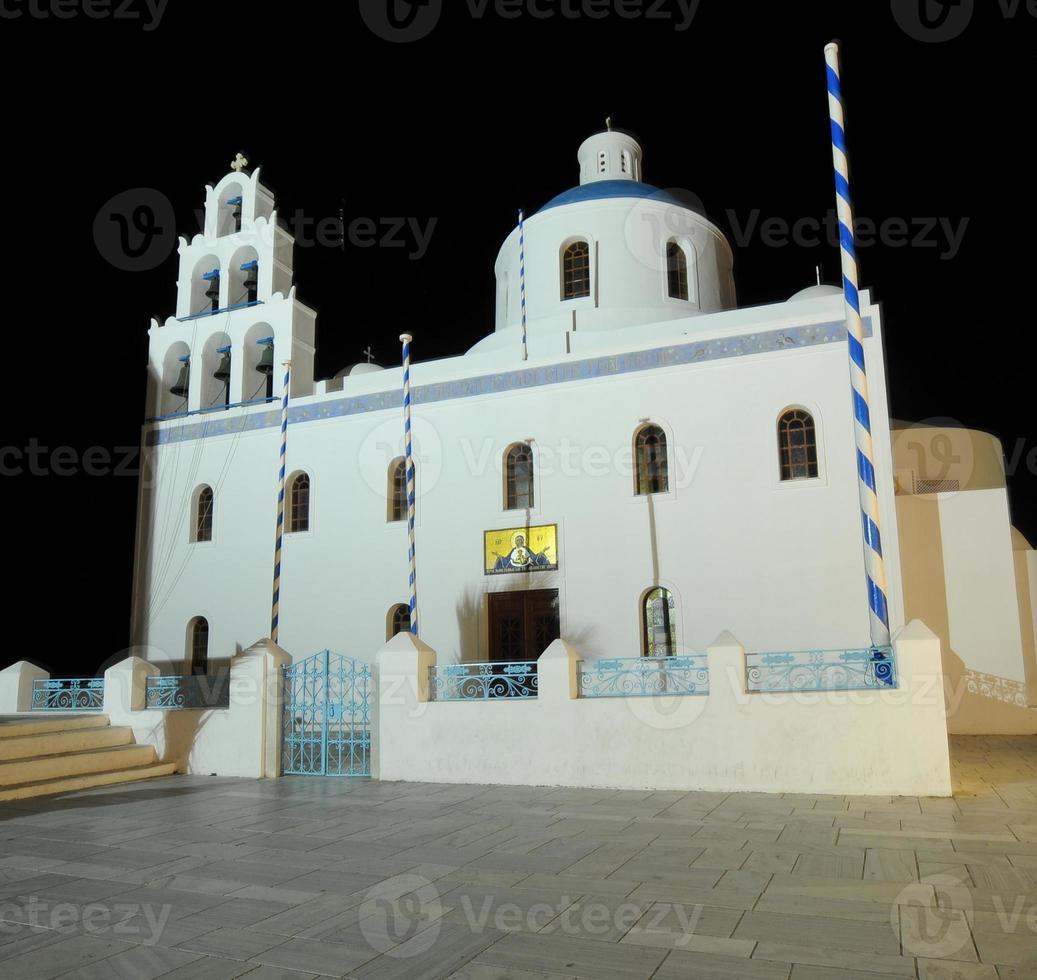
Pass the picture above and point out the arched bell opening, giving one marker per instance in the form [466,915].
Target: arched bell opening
[176,380]
[259,363]
[205,286]
[215,374]
[243,277]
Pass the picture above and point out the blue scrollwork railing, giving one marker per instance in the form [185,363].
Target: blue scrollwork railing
[483,681]
[822,670]
[68,694]
[635,677]
[203,691]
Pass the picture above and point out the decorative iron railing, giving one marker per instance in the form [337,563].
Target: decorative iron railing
[483,681]
[636,677]
[186,693]
[822,670]
[68,694]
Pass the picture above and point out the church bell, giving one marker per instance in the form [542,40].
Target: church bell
[251,283]
[266,361]
[213,292]
[180,388]
[235,203]
[222,372]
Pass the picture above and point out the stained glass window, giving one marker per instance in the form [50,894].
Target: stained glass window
[797,445]
[660,624]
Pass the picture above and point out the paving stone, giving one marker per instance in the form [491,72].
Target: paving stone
[948,970]
[136,963]
[831,933]
[53,959]
[572,957]
[883,864]
[680,965]
[808,884]
[821,955]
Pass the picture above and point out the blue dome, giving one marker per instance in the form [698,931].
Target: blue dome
[601,190]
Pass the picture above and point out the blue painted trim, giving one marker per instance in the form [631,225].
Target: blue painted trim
[605,190]
[225,309]
[210,409]
[604,366]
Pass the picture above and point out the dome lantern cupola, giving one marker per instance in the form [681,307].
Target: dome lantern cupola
[610,155]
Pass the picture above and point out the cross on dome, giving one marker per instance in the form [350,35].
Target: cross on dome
[239,163]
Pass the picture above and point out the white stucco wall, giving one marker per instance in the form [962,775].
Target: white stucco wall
[779,564]
[979,573]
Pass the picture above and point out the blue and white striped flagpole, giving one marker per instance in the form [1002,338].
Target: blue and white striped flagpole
[275,612]
[522,279]
[876,570]
[406,340]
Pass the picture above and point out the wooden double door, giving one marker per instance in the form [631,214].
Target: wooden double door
[522,624]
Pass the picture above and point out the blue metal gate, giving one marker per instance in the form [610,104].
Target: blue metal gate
[326,718]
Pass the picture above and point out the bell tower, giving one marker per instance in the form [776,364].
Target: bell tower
[237,319]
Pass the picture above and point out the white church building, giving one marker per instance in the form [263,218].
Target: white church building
[639,469]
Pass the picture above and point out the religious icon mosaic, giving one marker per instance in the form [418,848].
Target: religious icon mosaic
[521,549]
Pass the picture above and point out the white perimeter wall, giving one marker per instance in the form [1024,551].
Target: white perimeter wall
[890,742]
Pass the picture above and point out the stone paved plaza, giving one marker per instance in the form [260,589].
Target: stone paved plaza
[193,877]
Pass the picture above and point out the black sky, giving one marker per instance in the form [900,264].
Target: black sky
[465,126]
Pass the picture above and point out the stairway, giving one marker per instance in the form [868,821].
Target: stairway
[64,753]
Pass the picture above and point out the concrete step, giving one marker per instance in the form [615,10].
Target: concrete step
[62,743]
[47,767]
[70,784]
[51,723]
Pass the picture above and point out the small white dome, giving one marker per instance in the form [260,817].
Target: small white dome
[361,367]
[816,292]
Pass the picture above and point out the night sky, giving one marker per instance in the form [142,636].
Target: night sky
[465,125]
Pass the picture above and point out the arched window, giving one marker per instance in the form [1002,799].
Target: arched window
[797,445]
[659,623]
[676,271]
[398,489]
[518,482]
[299,504]
[198,640]
[203,515]
[652,472]
[398,620]
[576,271]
